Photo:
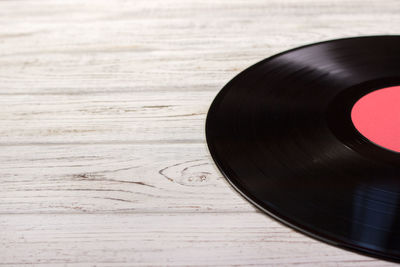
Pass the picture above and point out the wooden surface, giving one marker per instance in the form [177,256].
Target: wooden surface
[103,158]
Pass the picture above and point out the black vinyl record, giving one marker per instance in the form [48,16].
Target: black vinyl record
[282,135]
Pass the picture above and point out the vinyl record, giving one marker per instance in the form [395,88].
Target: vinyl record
[282,133]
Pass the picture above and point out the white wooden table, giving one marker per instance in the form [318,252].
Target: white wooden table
[103,158]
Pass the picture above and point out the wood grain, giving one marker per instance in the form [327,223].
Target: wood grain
[103,159]
[139,117]
[163,239]
[113,178]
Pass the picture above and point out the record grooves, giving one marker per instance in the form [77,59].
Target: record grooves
[281,133]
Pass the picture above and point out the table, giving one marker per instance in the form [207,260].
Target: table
[103,103]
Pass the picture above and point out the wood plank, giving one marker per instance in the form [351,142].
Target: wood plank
[113,178]
[82,47]
[163,239]
[104,118]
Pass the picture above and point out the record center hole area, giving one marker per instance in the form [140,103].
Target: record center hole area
[377,117]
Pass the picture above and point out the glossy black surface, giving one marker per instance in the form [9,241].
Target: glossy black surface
[281,133]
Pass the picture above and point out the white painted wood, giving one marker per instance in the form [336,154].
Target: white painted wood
[149,117]
[103,158]
[163,239]
[113,178]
